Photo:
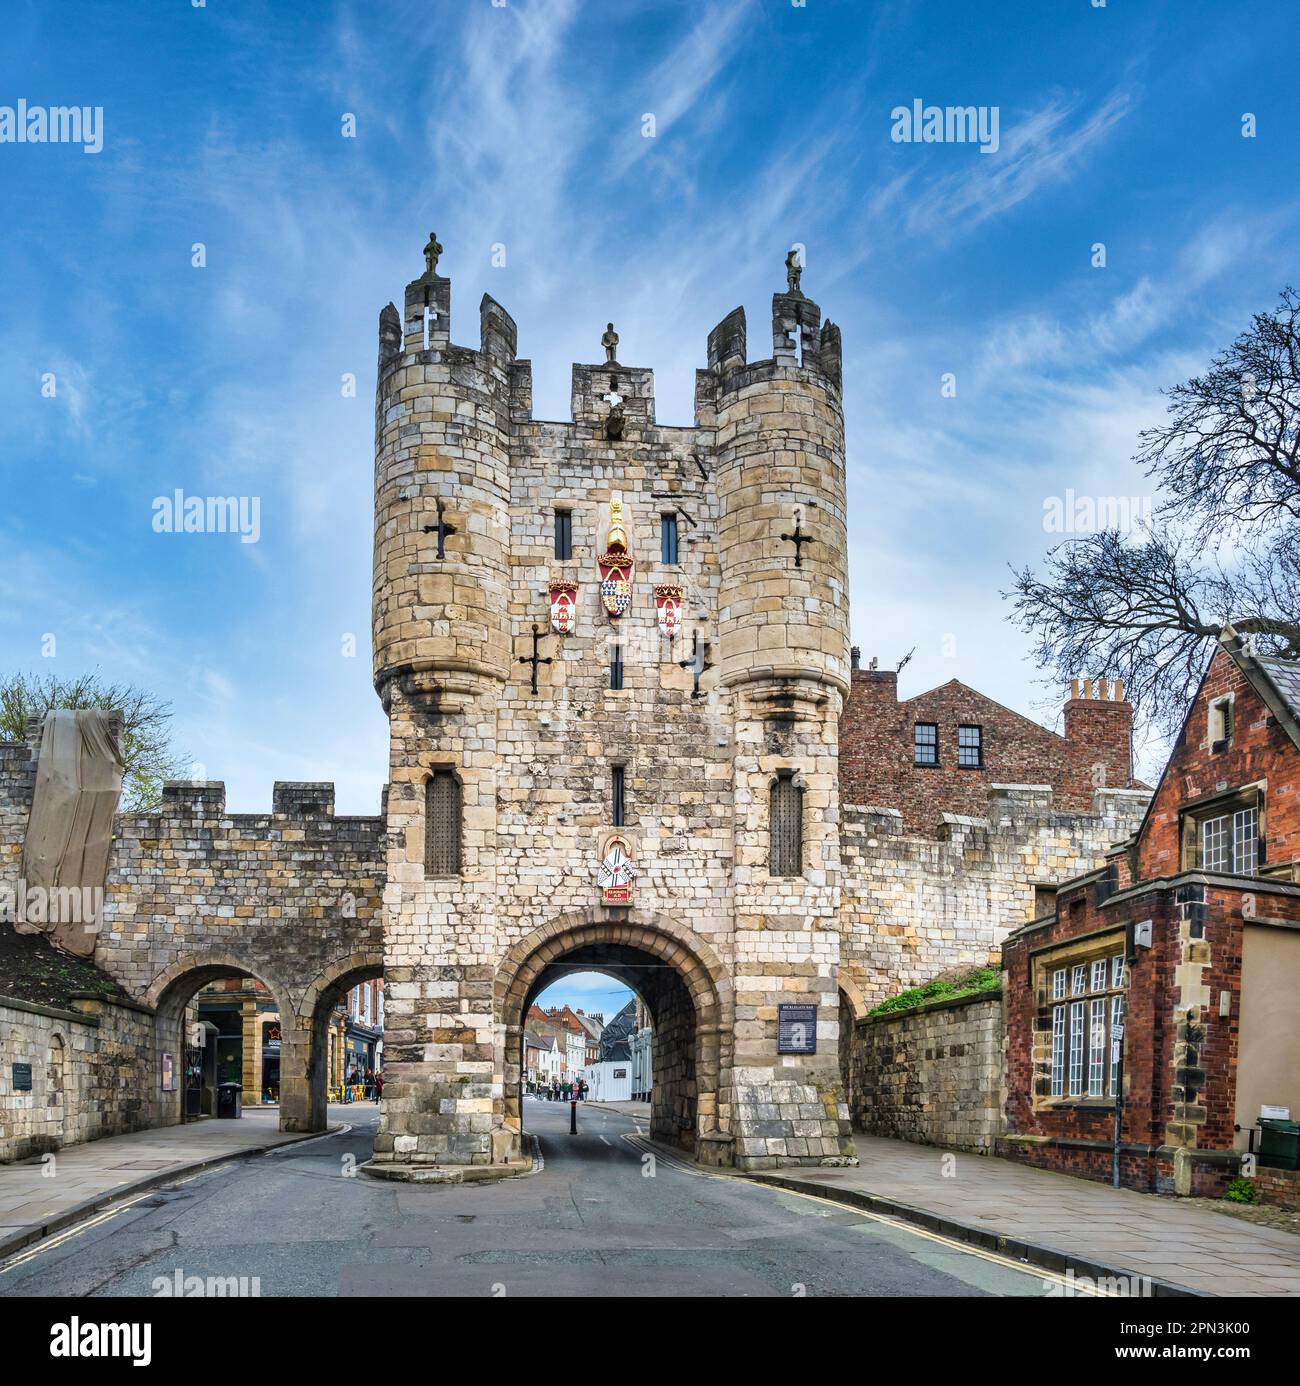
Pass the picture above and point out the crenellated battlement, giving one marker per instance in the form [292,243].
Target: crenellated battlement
[804,349]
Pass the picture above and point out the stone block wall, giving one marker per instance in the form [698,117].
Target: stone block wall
[284,893]
[932,1075]
[92,1074]
[915,906]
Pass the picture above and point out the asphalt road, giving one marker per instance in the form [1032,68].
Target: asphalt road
[605,1216]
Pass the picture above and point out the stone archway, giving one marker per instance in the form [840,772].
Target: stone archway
[170,994]
[853,1008]
[689,996]
[304,1099]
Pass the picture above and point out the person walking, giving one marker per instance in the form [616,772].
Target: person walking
[565,1088]
[583,1090]
[379,1086]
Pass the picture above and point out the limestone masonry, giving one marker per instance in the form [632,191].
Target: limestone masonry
[614,657]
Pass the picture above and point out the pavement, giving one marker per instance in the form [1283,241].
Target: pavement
[42,1195]
[1057,1221]
[1025,1217]
[605,1215]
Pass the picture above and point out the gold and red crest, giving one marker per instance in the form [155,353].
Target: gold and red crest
[668,607]
[564,610]
[616,566]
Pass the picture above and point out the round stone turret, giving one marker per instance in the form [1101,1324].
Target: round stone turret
[783,611]
[442,497]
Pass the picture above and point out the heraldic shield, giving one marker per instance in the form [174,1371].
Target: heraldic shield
[564,613]
[616,566]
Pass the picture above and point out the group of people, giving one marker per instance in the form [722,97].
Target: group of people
[367,1085]
[557,1091]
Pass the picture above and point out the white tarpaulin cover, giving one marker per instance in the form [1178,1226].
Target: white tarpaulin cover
[70,830]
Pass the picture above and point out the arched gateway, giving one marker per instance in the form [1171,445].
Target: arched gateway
[594,724]
[689,997]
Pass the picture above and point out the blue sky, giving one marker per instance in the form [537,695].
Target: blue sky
[521,125]
[592,992]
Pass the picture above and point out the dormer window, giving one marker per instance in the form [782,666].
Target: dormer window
[1220,725]
[1225,834]
[1230,842]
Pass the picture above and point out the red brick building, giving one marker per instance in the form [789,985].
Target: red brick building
[1186,943]
[942,751]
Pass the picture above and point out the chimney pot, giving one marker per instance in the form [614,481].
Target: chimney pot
[1074,688]
[1118,690]
[1087,688]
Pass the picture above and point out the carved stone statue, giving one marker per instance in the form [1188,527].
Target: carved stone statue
[793,269]
[610,342]
[431,252]
[615,422]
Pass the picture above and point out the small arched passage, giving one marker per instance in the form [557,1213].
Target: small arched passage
[853,1008]
[685,989]
[309,1109]
[170,995]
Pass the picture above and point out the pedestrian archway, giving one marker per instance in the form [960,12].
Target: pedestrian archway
[219,1057]
[682,984]
[339,1044]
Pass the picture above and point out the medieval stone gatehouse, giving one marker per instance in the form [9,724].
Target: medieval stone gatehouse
[614,658]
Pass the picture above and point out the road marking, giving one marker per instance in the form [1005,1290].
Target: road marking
[1052,1277]
[57,1239]
[606,1142]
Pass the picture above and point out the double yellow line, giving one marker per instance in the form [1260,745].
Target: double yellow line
[952,1243]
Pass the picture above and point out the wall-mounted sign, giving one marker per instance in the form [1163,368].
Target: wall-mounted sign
[169,1073]
[620,1073]
[617,873]
[22,1077]
[796,1029]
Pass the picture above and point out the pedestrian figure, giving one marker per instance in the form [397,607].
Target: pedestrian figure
[583,1090]
[379,1086]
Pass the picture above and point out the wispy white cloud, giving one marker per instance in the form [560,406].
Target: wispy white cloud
[1044,147]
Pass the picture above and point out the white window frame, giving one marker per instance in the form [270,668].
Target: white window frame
[1097,1047]
[1229,842]
[1058,1051]
[1086,1003]
[1076,1048]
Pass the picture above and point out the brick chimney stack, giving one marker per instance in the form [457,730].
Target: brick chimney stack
[1099,723]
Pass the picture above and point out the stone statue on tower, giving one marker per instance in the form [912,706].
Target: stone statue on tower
[431,252]
[610,342]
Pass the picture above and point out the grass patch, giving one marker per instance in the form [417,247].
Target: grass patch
[972,982]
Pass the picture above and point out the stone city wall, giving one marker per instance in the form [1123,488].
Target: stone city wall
[91,1073]
[933,1074]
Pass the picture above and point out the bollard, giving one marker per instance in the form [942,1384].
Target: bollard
[573,1116]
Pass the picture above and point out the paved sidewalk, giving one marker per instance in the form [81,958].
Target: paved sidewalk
[1076,1222]
[32,1204]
